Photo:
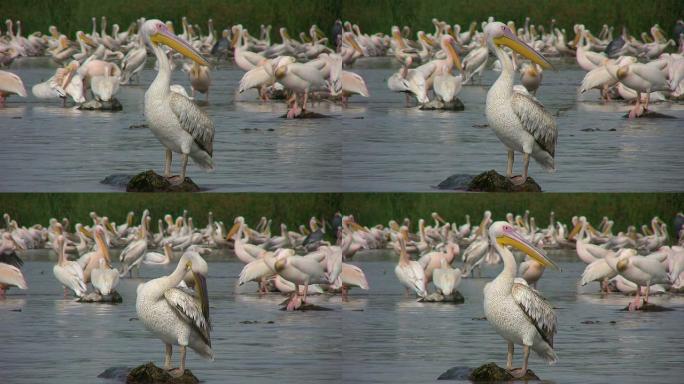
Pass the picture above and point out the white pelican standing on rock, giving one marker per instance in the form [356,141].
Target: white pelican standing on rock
[178,123]
[173,315]
[517,312]
[519,121]
[10,84]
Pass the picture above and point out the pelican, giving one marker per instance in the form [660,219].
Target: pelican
[517,312]
[10,84]
[409,272]
[642,78]
[445,278]
[642,271]
[173,315]
[519,121]
[105,278]
[200,79]
[178,123]
[69,273]
[300,270]
[11,276]
[531,77]
[154,258]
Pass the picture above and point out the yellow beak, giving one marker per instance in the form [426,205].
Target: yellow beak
[185,49]
[232,231]
[523,49]
[530,250]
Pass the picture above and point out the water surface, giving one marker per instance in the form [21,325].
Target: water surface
[376,144]
[380,336]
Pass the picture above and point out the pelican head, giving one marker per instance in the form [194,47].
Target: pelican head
[505,234]
[448,44]
[498,34]
[280,264]
[156,32]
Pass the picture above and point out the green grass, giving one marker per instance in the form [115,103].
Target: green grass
[372,16]
[369,208]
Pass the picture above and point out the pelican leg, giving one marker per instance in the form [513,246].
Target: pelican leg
[184,162]
[509,168]
[167,163]
[509,358]
[520,372]
[167,356]
[648,289]
[345,296]
[183,350]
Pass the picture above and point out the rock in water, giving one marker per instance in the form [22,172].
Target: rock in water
[453,105]
[94,297]
[436,297]
[491,373]
[95,105]
[150,181]
[117,180]
[308,115]
[492,181]
[456,373]
[651,115]
[456,182]
[648,307]
[151,374]
[115,373]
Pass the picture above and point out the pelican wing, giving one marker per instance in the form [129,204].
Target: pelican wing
[187,308]
[193,121]
[538,310]
[652,267]
[597,270]
[254,271]
[650,73]
[255,78]
[309,266]
[536,121]
[308,73]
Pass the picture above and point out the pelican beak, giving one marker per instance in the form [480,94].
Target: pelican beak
[513,239]
[233,231]
[280,265]
[622,265]
[87,40]
[575,231]
[169,39]
[354,44]
[86,233]
[440,219]
[201,289]
[454,55]
[110,228]
[357,227]
[511,41]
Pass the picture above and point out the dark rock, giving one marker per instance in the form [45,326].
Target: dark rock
[95,105]
[648,307]
[94,297]
[492,181]
[115,373]
[480,125]
[151,374]
[304,307]
[456,182]
[308,115]
[456,373]
[150,181]
[491,372]
[436,297]
[480,318]
[453,105]
[651,115]
[117,180]
[590,322]
[136,126]
[278,94]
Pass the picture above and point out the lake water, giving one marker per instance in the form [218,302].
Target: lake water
[376,144]
[379,336]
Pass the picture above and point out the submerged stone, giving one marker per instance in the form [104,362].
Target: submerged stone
[651,115]
[456,373]
[492,372]
[308,115]
[150,181]
[648,307]
[492,181]
[115,373]
[456,182]
[304,307]
[96,105]
[438,105]
[94,297]
[118,180]
[436,297]
[151,374]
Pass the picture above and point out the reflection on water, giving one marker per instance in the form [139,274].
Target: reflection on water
[379,336]
[375,144]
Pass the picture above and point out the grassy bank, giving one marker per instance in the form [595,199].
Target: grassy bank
[372,16]
[369,208]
